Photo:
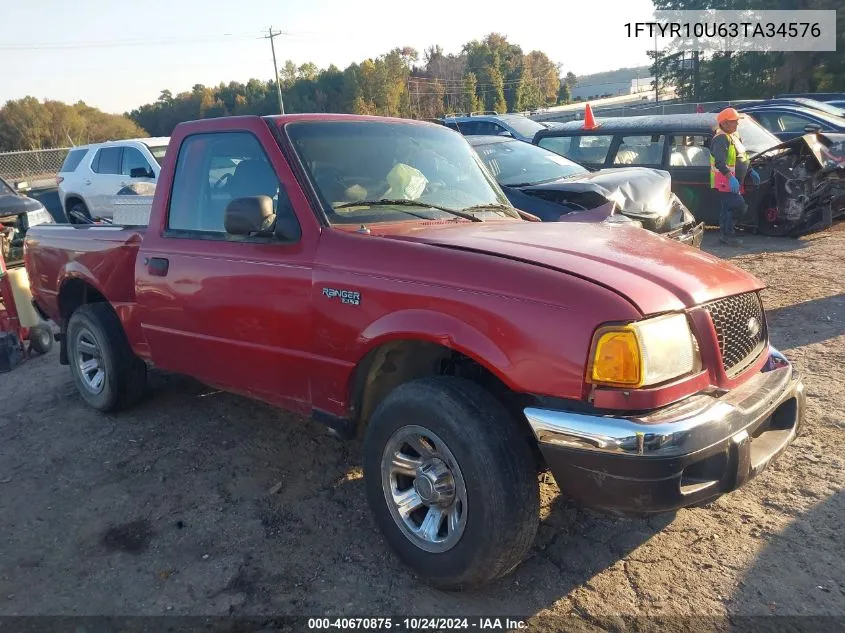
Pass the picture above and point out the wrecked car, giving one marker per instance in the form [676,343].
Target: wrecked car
[554,188]
[18,212]
[678,143]
[805,189]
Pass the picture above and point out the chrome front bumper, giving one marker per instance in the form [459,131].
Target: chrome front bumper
[706,445]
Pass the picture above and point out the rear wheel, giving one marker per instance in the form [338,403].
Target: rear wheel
[107,373]
[78,213]
[451,481]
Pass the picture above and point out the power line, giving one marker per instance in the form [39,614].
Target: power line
[211,38]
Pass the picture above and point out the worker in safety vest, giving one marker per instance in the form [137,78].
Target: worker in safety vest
[728,168]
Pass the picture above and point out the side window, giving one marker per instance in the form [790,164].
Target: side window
[767,120]
[107,161]
[214,169]
[645,149]
[557,144]
[133,159]
[589,149]
[690,150]
[488,128]
[468,128]
[72,160]
[793,123]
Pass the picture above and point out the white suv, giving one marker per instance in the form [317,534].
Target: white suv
[93,174]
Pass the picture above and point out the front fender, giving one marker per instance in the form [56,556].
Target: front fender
[443,329]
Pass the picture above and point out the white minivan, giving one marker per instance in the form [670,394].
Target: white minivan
[93,174]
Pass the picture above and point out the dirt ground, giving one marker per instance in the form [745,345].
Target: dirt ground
[199,502]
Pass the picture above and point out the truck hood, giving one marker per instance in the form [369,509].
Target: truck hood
[656,274]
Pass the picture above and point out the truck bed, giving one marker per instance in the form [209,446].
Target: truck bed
[102,256]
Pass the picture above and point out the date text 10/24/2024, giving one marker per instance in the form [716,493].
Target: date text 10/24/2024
[479,623]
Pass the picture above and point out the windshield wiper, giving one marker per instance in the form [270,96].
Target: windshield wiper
[401,202]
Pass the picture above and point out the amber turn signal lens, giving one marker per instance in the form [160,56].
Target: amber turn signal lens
[616,360]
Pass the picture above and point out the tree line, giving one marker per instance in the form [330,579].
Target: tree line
[488,74]
[28,124]
[750,75]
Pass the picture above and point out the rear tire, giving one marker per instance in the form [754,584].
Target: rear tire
[41,339]
[484,462]
[80,208]
[107,373]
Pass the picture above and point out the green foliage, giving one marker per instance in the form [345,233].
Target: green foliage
[27,124]
[735,75]
[490,74]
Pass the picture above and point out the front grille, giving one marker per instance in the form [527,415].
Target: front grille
[741,329]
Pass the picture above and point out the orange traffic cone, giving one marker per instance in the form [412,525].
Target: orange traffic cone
[589,119]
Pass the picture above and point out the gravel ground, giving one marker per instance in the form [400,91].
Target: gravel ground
[200,502]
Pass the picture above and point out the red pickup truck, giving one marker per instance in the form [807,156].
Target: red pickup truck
[369,272]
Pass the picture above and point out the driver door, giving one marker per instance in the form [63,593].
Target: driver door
[231,311]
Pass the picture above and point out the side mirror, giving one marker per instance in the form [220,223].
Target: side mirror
[250,216]
[141,172]
[22,186]
[812,127]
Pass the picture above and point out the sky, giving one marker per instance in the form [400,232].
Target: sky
[119,55]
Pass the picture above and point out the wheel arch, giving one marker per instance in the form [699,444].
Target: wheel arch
[75,291]
[408,345]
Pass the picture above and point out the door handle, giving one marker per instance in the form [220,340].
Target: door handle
[87,182]
[123,184]
[157,266]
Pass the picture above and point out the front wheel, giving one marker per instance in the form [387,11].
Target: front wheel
[451,481]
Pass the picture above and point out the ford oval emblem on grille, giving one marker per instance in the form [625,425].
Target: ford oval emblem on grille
[753,327]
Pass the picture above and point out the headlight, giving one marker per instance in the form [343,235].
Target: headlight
[643,353]
[40,216]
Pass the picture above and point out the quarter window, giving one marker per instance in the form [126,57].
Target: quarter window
[72,160]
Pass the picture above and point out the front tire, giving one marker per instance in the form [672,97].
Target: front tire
[107,373]
[451,481]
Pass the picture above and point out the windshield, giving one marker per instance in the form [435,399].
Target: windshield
[4,187]
[755,137]
[158,152]
[366,161]
[514,163]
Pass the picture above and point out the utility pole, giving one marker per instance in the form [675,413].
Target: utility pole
[656,72]
[275,67]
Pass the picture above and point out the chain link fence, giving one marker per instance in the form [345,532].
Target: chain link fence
[36,167]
